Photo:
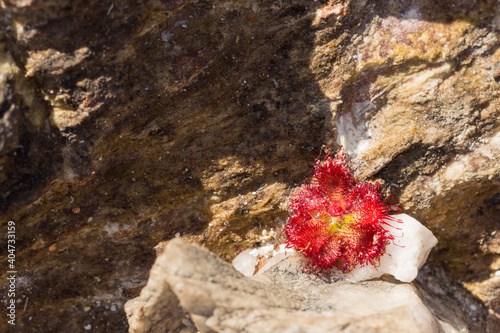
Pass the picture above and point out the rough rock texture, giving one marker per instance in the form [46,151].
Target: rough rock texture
[219,299]
[126,123]
[157,308]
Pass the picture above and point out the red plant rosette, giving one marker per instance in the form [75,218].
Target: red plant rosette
[337,220]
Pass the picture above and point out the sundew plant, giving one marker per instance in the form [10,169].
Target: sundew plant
[336,220]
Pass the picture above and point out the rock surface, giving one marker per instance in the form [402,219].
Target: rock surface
[219,299]
[157,308]
[126,123]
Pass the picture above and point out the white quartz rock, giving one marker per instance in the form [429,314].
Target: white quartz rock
[402,259]
[245,263]
[247,260]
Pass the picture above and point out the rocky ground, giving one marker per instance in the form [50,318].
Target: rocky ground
[127,123]
[192,290]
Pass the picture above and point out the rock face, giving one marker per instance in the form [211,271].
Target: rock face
[157,309]
[126,123]
[219,299]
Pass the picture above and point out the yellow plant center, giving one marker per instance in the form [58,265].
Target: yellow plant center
[340,223]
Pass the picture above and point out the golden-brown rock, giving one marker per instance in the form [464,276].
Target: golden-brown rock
[125,124]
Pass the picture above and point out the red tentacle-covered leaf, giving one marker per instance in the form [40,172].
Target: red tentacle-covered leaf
[336,220]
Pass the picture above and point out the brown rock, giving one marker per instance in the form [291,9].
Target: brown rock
[157,308]
[283,299]
[192,118]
